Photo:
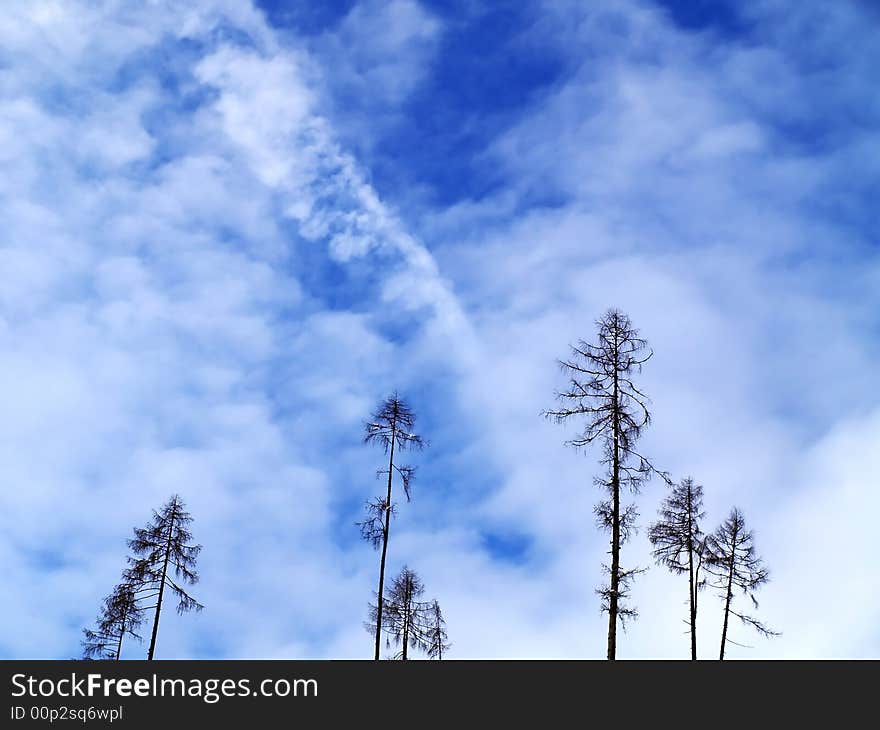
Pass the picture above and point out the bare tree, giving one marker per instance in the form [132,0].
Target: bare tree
[602,392]
[410,623]
[735,566]
[120,616]
[679,544]
[405,621]
[165,550]
[391,426]
[436,637]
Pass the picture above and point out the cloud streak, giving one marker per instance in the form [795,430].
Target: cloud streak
[205,291]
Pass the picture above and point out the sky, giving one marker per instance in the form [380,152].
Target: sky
[229,230]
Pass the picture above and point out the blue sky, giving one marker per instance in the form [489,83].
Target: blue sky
[230,229]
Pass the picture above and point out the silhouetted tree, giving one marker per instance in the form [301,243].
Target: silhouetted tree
[679,543]
[408,620]
[735,566]
[602,392]
[391,426]
[405,621]
[120,616]
[165,550]
[436,637]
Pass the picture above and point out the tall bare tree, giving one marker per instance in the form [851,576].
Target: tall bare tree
[120,616]
[679,543]
[165,550]
[601,392]
[436,637]
[391,425]
[736,567]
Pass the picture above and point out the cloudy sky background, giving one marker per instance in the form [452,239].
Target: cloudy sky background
[229,230]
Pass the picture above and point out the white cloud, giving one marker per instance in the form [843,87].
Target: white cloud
[684,206]
[374,60]
[149,304]
[166,325]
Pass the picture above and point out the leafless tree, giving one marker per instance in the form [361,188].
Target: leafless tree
[391,426]
[164,549]
[409,622]
[120,616]
[679,543]
[601,391]
[437,638]
[405,619]
[735,566]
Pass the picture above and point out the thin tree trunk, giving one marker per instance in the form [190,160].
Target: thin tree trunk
[697,590]
[693,605]
[615,526]
[729,594]
[162,584]
[701,557]
[121,634]
[405,633]
[379,599]
[439,640]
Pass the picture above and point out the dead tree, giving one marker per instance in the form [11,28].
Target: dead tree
[391,426]
[735,567]
[437,639]
[602,392]
[164,550]
[408,621]
[405,618]
[679,544]
[120,616]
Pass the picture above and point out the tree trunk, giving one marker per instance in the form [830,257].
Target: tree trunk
[121,634]
[615,525]
[693,600]
[729,593]
[405,633]
[439,639]
[379,599]
[162,584]
[701,558]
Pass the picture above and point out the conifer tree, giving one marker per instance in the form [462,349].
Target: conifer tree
[601,392]
[391,426]
[436,636]
[679,543]
[404,622]
[167,560]
[120,616]
[736,567]
[410,623]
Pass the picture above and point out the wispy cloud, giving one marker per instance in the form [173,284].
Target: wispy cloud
[205,290]
[157,336]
